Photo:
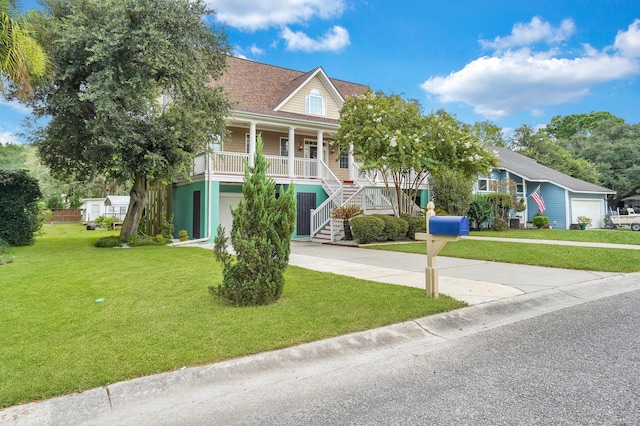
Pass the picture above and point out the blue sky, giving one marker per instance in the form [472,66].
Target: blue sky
[511,62]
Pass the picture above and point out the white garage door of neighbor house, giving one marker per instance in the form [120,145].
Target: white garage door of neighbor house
[226,202]
[590,208]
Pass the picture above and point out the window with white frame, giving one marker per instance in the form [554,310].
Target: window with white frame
[216,143]
[315,103]
[247,142]
[520,188]
[487,185]
[284,147]
[344,160]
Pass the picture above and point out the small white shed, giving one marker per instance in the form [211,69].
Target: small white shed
[116,206]
[92,208]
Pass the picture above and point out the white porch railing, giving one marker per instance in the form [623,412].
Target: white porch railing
[332,186]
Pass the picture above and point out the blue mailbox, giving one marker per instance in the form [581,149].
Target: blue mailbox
[454,226]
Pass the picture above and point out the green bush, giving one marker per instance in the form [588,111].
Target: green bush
[4,256]
[20,212]
[183,234]
[415,224]
[261,237]
[105,222]
[143,240]
[539,221]
[367,228]
[403,227]
[109,242]
[390,230]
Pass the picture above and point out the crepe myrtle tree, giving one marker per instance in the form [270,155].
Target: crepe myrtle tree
[129,97]
[390,135]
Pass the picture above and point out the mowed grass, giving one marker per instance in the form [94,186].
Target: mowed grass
[613,236]
[157,314]
[569,257]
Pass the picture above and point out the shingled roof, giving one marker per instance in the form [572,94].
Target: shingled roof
[260,88]
[531,170]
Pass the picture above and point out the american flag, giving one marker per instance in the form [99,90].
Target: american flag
[537,197]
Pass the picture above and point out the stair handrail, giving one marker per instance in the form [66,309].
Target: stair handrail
[329,179]
[322,214]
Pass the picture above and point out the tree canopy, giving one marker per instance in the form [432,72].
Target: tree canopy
[539,145]
[21,57]
[129,97]
[563,127]
[389,134]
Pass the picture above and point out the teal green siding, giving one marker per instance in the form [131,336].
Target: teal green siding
[321,196]
[183,207]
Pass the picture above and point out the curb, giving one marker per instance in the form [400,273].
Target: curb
[324,355]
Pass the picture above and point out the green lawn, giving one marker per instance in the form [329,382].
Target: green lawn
[157,314]
[569,257]
[614,236]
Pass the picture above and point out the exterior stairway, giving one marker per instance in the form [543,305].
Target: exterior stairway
[324,236]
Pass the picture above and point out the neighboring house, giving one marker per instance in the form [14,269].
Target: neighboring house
[297,115]
[92,208]
[116,206]
[632,202]
[565,197]
[112,206]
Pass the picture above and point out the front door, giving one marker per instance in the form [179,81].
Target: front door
[305,201]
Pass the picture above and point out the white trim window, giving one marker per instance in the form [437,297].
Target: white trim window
[247,142]
[315,103]
[344,160]
[487,185]
[284,147]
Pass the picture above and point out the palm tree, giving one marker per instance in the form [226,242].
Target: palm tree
[21,57]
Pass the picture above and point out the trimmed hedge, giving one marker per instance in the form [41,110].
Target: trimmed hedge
[414,225]
[366,228]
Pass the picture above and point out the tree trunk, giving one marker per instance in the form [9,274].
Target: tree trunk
[136,208]
[347,230]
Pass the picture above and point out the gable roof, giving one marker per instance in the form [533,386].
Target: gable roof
[117,200]
[262,88]
[533,171]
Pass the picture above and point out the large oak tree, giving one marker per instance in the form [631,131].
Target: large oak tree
[129,97]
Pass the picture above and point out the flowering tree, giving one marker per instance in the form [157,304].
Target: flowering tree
[390,135]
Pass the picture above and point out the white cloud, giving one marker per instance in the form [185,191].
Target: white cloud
[336,39]
[527,34]
[255,50]
[518,80]
[628,43]
[252,15]
[15,105]
[7,137]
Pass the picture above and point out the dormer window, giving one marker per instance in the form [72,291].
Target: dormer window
[315,103]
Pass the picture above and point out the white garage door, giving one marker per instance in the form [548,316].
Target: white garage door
[226,202]
[590,208]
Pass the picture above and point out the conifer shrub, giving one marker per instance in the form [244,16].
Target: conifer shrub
[367,228]
[261,238]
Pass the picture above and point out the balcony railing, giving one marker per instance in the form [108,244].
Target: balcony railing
[233,163]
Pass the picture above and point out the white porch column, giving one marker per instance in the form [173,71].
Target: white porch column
[320,154]
[352,171]
[292,152]
[252,142]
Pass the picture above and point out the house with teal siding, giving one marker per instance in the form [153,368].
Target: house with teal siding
[296,115]
[565,197]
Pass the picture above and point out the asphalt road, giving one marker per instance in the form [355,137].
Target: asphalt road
[578,365]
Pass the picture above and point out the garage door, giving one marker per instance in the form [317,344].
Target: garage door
[227,201]
[590,208]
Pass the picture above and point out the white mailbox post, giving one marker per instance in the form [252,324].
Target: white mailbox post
[439,232]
